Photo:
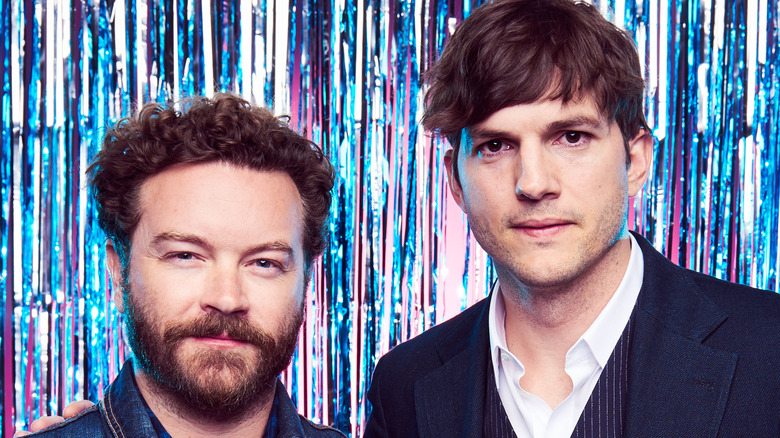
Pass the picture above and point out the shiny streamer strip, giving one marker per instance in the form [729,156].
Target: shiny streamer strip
[348,75]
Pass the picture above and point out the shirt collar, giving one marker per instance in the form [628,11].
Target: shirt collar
[602,335]
[497,331]
[158,427]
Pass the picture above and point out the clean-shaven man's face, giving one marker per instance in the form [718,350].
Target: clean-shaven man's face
[215,287]
[545,187]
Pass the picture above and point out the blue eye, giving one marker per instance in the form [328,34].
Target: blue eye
[181,258]
[264,263]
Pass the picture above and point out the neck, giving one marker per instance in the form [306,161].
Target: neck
[546,320]
[181,422]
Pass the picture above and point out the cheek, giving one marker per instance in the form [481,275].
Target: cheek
[599,176]
[481,189]
[273,302]
[165,289]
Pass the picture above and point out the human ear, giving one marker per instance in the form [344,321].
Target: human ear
[115,272]
[450,160]
[640,157]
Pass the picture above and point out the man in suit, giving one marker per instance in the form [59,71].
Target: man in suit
[589,331]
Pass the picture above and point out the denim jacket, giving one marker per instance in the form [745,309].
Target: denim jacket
[122,414]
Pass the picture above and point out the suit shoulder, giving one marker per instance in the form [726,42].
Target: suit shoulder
[759,306]
[751,327]
[426,344]
[674,285]
[397,371]
[391,393]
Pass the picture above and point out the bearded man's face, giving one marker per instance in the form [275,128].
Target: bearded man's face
[214,286]
[217,383]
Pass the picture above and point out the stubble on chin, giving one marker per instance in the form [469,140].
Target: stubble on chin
[208,383]
[215,379]
[552,267]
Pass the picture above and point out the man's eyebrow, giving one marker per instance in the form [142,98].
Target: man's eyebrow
[477,132]
[576,122]
[272,246]
[178,237]
[482,133]
[195,240]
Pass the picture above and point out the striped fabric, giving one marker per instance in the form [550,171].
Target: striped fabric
[603,414]
[606,409]
[496,423]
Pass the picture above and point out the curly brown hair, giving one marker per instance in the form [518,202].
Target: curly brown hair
[511,52]
[225,128]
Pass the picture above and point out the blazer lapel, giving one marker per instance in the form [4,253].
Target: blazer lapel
[449,401]
[677,385]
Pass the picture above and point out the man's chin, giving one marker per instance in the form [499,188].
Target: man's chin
[214,387]
[214,360]
[216,379]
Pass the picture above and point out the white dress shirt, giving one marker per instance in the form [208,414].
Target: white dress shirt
[530,415]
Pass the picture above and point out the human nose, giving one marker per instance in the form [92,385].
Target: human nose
[224,292]
[536,178]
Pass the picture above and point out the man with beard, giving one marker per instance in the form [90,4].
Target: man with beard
[214,215]
[589,331]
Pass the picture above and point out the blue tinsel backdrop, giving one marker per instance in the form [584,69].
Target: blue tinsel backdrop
[348,75]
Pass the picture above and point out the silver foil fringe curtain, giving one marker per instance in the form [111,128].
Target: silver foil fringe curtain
[348,74]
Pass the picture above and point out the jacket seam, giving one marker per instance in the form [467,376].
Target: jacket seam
[117,432]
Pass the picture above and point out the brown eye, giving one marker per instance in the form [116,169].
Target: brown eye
[573,137]
[493,146]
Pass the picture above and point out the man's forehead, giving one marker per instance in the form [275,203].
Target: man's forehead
[199,177]
[221,202]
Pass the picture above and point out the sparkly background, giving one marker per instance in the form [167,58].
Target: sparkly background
[348,74]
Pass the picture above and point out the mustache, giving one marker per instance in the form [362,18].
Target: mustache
[213,325]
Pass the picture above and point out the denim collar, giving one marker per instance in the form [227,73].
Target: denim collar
[123,408]
[127,413]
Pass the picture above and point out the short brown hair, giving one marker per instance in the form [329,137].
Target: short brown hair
[226,129]
[511,52]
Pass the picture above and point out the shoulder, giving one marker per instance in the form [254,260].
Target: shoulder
[86,423]
[391,394]
[674,291]
[291,423]
[744,306]
[433,347]
[746,320]
[761,306]
[314,430]
[753,315]
[399,369]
